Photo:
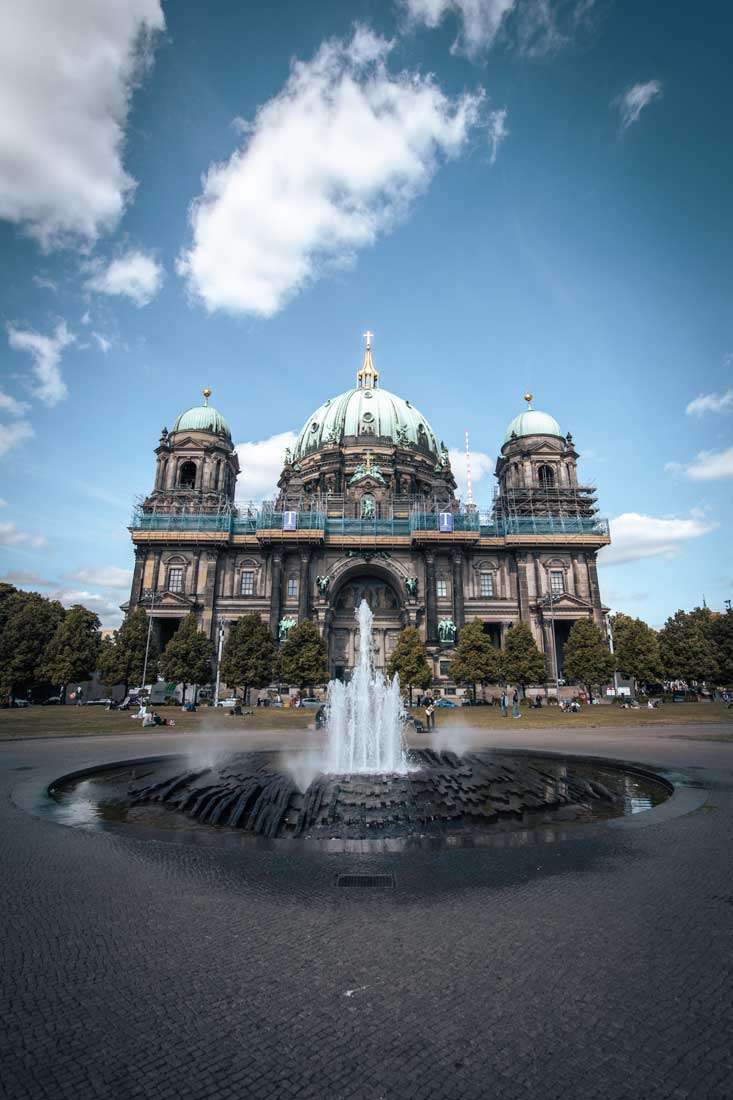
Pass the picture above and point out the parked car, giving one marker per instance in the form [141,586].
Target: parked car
[230,702]
[310,702]
[52,701]
[445,703]
[20,703]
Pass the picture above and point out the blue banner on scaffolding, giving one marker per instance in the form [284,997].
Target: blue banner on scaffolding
[290,521]
[445,522]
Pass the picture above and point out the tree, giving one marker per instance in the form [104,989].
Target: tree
[122,660]
[28,622]
[73,651]
[722,635]
[304,656]
[522,662]
[587,658]
[687,647]
[476,661]
[409,660]
[187,657]
[636,647]
[249,655]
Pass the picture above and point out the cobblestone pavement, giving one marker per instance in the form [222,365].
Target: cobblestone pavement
[599,967]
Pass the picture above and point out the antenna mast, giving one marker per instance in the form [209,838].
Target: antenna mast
[470,506]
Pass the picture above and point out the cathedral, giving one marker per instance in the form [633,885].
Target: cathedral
[366,508]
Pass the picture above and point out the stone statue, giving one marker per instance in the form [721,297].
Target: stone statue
[322,584]
[402,437]
[288,456]
[411,586]
[446,630]
[284,627]
[367,508]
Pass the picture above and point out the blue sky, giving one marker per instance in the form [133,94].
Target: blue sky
[511,195]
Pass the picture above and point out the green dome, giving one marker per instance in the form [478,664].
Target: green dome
[202,418]
[365,412]
[533,422]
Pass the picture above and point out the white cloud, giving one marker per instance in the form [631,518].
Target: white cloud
[480,20]
[102,342]
[11,536]
[330,163]
[262,462]
[46,354]
[481,465]
[45,284]
[11,406]
[104,606]
[532,27]
[633,101]
[25,577]
[3,503]
[705,466]
[635,536]
[11,435]
[135,275]
[497,131]
[67,72]
[106,576]
[710,402]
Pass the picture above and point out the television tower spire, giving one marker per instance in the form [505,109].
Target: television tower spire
[470,506]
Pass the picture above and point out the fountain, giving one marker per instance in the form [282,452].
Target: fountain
[363,786]
[365,718]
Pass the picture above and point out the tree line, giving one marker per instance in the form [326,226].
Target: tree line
[43,643]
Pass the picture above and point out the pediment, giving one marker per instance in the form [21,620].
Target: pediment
[171,601]
[545,446]
[567,602]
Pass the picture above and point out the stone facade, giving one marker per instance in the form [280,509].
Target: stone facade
[369,510]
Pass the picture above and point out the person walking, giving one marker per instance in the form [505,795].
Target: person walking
[515,704]
[504,704]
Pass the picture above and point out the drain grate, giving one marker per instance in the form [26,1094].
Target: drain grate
[383,882]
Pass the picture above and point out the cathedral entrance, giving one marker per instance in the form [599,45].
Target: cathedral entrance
[343,639]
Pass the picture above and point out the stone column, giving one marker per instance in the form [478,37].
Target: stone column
[155,579]
[304,586]
[431,611]
[459,609]
[194,582]
[539,587]
[276,594]
[141,555]
[548,642]
[522,586]
[212,569]
[595,591]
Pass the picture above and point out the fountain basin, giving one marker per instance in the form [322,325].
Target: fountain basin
[442,796]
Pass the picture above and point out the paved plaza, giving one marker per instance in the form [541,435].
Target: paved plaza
[595,966]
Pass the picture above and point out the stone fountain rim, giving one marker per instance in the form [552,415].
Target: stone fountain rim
[685,794]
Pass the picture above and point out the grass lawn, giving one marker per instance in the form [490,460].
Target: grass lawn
[605,715]
[71,721]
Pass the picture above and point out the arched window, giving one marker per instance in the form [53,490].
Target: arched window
[187,476]
[546,477]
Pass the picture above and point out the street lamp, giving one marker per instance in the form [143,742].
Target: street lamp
[222,625]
